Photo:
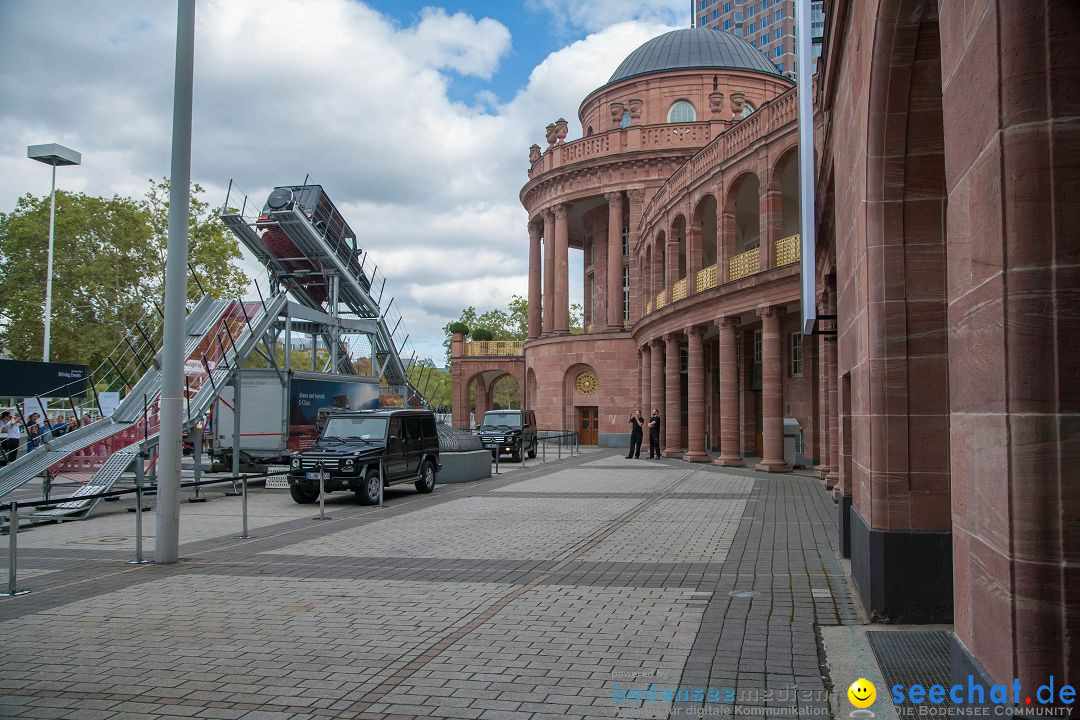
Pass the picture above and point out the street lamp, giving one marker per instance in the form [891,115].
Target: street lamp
[51,154]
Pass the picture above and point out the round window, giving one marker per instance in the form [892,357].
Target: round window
[681,111]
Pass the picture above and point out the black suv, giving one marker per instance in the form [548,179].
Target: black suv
[351,447]
[509,431]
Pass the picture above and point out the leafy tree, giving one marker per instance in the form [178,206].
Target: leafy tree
[108,270]
[509,324]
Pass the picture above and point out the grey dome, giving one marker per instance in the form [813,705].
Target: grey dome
[693,48]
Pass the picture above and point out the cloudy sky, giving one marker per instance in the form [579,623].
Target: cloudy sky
[416,118]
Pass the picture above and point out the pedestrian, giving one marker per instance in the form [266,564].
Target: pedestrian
[35,436]
[59,427]
[637,422]
[654,434]
[9,438]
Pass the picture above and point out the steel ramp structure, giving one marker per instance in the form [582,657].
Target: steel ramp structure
[205,388]
[346,279]
[202,318]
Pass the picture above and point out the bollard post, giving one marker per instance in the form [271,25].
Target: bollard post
[139,477]
[560,445]
[521,453]
[497,454]
[382,483]
[196,456]
[322,493]
[13,541]
[543,452]
[245,535]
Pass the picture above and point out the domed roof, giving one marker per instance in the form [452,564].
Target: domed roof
[693,48]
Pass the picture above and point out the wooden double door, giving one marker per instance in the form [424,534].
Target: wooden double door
[588,425]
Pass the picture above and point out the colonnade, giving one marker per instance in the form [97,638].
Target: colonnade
[659,371]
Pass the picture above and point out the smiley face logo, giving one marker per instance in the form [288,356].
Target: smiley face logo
[862,693]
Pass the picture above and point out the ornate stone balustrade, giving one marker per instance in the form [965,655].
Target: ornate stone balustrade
[770,116]
[743,264]
[636,137]
[788,250]
[494,348]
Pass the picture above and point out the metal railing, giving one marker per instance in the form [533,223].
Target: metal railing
[661,298]
[788,250]
[678,290]
[743,264]
[494,348]
[706,279]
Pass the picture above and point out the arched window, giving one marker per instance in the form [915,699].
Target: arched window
[747,108]
[589,132]
[681,111]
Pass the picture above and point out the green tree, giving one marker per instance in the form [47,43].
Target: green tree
[108,269]
[509,324]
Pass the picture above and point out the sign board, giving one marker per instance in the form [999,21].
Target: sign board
[34,405]
[26,378]
[109,400]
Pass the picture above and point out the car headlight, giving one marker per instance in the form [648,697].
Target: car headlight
[348,464]
[295,464]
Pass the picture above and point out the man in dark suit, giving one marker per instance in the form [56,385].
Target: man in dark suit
[636,423]
[654,434]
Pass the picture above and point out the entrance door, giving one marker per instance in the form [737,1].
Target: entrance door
[588,425]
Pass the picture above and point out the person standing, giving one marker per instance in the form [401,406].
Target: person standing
[654,434]
[35,435]
[9,438]
[636,424]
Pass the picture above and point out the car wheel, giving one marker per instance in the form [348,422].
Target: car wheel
[426,483]
[303,495]
[369,493]
[532,450]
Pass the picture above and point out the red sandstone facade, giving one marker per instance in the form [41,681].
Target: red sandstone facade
[947,247]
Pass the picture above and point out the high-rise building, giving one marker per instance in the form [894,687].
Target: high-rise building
[768,25]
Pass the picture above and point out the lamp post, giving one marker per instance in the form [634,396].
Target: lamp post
[51,154]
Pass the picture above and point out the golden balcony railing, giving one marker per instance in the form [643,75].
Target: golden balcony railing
[706,278]
[648,307]
[678,290]
[743,264]
[661,299]
[788,250]
[494,348]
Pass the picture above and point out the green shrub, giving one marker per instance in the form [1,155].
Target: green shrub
[482,334]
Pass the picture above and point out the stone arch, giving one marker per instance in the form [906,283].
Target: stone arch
[502,398]
[678,238]
[705,220]
[902,382]
[530,388]
[659,263]
[742,214]
[573,398]
[785,182]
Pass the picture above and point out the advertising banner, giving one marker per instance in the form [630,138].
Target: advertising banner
[26,378]
[109,400]
[309,396]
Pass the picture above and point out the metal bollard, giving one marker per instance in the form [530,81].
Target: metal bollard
[382,484]
[497,454]
[13,541]
[560,446]
[322,494]
[139,476]
[543,452]
[243,504]
[522,453]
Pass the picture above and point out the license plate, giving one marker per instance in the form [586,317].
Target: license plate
[312,475]
[277,483]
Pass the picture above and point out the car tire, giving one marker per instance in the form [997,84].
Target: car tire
[303,495]
[532,450]
[426,483]
[369,491]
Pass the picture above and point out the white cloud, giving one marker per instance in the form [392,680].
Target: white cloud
[330,88]
[593,15]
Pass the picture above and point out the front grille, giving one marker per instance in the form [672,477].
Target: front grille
[330,462]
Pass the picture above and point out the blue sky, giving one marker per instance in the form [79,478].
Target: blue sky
[417,117]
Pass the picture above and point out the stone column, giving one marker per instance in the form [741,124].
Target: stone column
[562,279]
[770,219]
[671,262]
[695,396]
[481,398]
[549,272]
[656,380]
[693,254]
[772,392]
[644,373]
[725,243]
[730,451]
[636,197]
[672,398]
[534,280]
[614,262]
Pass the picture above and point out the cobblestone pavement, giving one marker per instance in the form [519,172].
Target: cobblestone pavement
[579,589]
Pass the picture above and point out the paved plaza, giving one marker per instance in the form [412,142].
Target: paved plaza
[576,589]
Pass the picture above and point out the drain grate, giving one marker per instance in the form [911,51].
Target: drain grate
[912,657]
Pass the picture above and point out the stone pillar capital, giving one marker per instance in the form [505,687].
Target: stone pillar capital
[613,197]
[656,343]
[771,311]
[728,321]
[636,195]
[560,210]
[695,330]
[536,229]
